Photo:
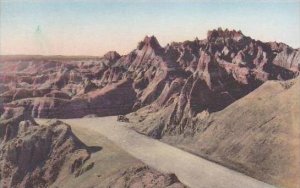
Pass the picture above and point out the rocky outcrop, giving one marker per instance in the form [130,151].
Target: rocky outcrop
[33,155]
[112,56]
[286,56]
[214,73]
[143,176]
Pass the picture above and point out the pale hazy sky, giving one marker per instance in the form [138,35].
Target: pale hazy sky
[95,27]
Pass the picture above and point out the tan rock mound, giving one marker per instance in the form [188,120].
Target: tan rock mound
[143,176]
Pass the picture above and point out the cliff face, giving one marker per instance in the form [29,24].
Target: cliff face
[34,156]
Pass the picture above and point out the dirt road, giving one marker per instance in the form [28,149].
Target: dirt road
[191,170]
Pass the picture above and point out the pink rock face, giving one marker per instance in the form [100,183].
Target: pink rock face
[33,155]
[213,73]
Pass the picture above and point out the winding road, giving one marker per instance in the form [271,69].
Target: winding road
[191,170]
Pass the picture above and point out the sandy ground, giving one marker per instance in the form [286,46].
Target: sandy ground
[191,170]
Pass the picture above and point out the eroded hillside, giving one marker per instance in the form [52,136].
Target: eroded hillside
[201,95]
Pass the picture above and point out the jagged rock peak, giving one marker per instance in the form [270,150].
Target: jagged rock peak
[112,56]
[149,41]
[214,34]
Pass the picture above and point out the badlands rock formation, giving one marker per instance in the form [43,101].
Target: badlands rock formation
[33,155]
[258,135]
[38,156]
[191,76]
[184,90]
[143,176]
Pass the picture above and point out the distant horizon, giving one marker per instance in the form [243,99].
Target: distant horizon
[90,28]
[100,55]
